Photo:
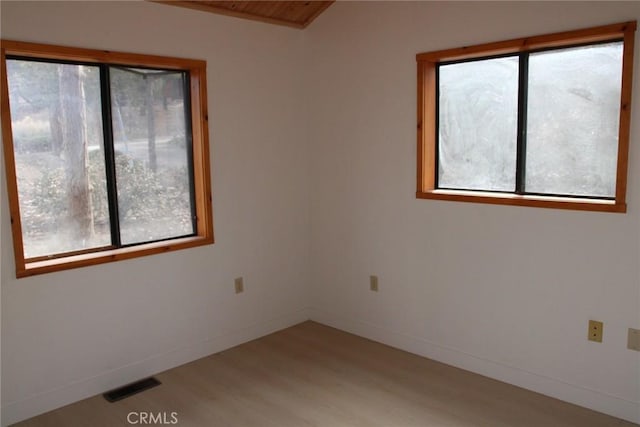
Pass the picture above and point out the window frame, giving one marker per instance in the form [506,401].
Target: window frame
[427,163]
[199,152]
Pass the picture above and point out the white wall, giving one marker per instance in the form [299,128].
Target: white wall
[72,334]
[503,291]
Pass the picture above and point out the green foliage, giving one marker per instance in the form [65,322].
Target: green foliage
[43,201]
[144,196]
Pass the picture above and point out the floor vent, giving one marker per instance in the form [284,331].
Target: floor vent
[131,389]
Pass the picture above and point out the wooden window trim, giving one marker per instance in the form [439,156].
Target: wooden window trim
[201,168]
[426,110]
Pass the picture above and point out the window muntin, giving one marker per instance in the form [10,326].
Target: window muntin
[179,186]
[428,170]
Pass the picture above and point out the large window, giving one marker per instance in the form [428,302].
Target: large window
[106,155]
[541,121]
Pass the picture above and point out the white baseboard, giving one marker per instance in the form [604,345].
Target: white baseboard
[572,393]
[51,399]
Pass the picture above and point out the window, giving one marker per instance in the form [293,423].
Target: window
[106,155]
[541,121]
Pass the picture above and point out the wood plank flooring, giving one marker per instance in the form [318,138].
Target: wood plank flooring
[314,375]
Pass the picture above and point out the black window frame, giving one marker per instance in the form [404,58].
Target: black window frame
[109,150]
[198,154]
[521,132]
[427,94]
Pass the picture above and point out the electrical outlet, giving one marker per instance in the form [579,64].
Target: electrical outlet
[595,330]
[239,285]
[373,283]
[633,341]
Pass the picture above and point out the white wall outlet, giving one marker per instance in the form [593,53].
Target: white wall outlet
[595,330]
[373,283]
[239,285]
[633,340]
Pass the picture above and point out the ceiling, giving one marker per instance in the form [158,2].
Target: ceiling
[298,14]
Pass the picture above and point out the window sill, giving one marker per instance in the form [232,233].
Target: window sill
[598,205]
[58,264]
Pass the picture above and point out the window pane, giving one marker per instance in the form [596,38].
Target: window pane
[58,143]
[478,120]
[152,146]
[573,119]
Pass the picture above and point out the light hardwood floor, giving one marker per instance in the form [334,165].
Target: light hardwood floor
[314,375]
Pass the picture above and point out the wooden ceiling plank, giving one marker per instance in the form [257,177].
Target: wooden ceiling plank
[201,6]
[321,8]
[297,14]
